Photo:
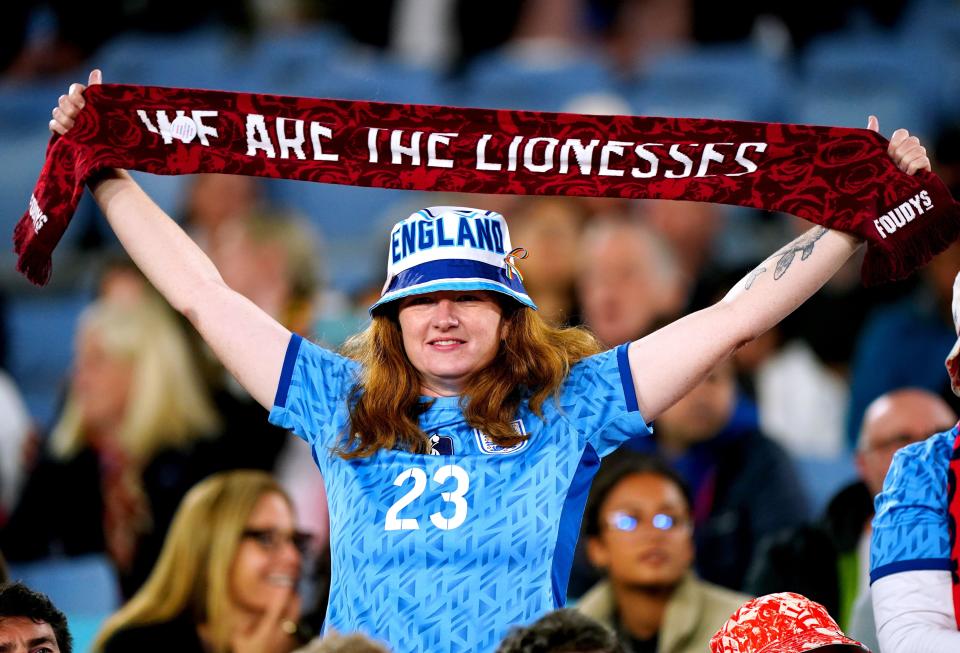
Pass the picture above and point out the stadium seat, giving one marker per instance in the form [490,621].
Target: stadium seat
[733,82]
[278,62]
[85,588]
[26,105]
[336,70]
[77,585]
[931,28]
[824,477]
[41,332]
[844,79]
[353,221]
[201,59]
[536,79]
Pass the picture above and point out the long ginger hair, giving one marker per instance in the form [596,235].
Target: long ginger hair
[385,406]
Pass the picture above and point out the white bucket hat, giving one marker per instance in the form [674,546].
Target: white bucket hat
[452,248]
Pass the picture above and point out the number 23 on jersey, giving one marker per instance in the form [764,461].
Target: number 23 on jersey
[394,522]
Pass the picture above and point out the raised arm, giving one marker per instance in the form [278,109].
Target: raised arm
[671,361]
[249,342]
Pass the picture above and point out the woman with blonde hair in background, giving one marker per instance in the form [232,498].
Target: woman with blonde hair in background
[131,440]
[226,580]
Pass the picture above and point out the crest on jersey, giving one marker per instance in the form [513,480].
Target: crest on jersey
[487,445]
[441,445]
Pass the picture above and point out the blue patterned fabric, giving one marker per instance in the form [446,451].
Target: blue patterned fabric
[447,552]
[910,526]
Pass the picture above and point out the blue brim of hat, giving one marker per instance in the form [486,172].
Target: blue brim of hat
[453,274]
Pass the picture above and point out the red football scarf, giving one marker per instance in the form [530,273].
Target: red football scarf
[835,177]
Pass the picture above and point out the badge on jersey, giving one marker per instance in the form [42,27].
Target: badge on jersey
[441,445]
[488,446]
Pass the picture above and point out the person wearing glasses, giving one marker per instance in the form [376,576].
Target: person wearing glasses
[227,577]
[639,530]
[458,433]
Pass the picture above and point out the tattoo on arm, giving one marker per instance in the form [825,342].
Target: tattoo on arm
[757,271]
[804,245]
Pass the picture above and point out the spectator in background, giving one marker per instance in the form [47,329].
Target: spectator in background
[690,228]
[744,484]
[226,579]
[271,258]
[640,532]
[17,442]
[132,438]
[551,227]
[215,200]
[29,622]
[561,631]
[828,561]
[620,260]
[4,574]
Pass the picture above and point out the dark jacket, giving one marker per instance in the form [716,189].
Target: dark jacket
[805,559]
[60,511]
[178,635]
[751,490]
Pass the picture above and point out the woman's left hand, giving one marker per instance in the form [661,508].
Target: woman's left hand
[275,631]
[905,150]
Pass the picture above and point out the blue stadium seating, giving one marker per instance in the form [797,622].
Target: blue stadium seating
[201,59]
[822,478]
[733,82]
[353,221]
[41,334]
[331,69]
[536,81]
[85,588]
[77,585]
[845,79]
[25,105]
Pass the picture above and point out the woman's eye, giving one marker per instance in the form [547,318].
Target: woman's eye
[468,298]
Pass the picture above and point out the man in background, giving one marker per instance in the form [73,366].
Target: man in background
[30,622]
[828,560]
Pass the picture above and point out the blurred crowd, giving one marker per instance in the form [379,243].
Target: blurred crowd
[766,471]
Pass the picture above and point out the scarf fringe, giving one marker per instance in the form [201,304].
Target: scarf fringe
[33,262]
[903,258]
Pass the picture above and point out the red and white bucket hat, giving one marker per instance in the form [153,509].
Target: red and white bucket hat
[781,623]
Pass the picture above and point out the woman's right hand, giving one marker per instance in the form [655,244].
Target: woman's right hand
[70,105]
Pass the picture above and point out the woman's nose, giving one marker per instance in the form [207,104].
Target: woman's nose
[446,314]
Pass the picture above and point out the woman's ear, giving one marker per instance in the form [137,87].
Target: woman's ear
[597,552]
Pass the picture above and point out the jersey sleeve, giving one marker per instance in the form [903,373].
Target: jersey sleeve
[599,397]
[312,394]
[910,531]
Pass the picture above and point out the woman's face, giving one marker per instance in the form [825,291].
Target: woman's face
[449,335]
[645,537]
[101,383]
[267,562]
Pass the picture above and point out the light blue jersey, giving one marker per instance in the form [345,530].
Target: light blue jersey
[910,531]
[446,552]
